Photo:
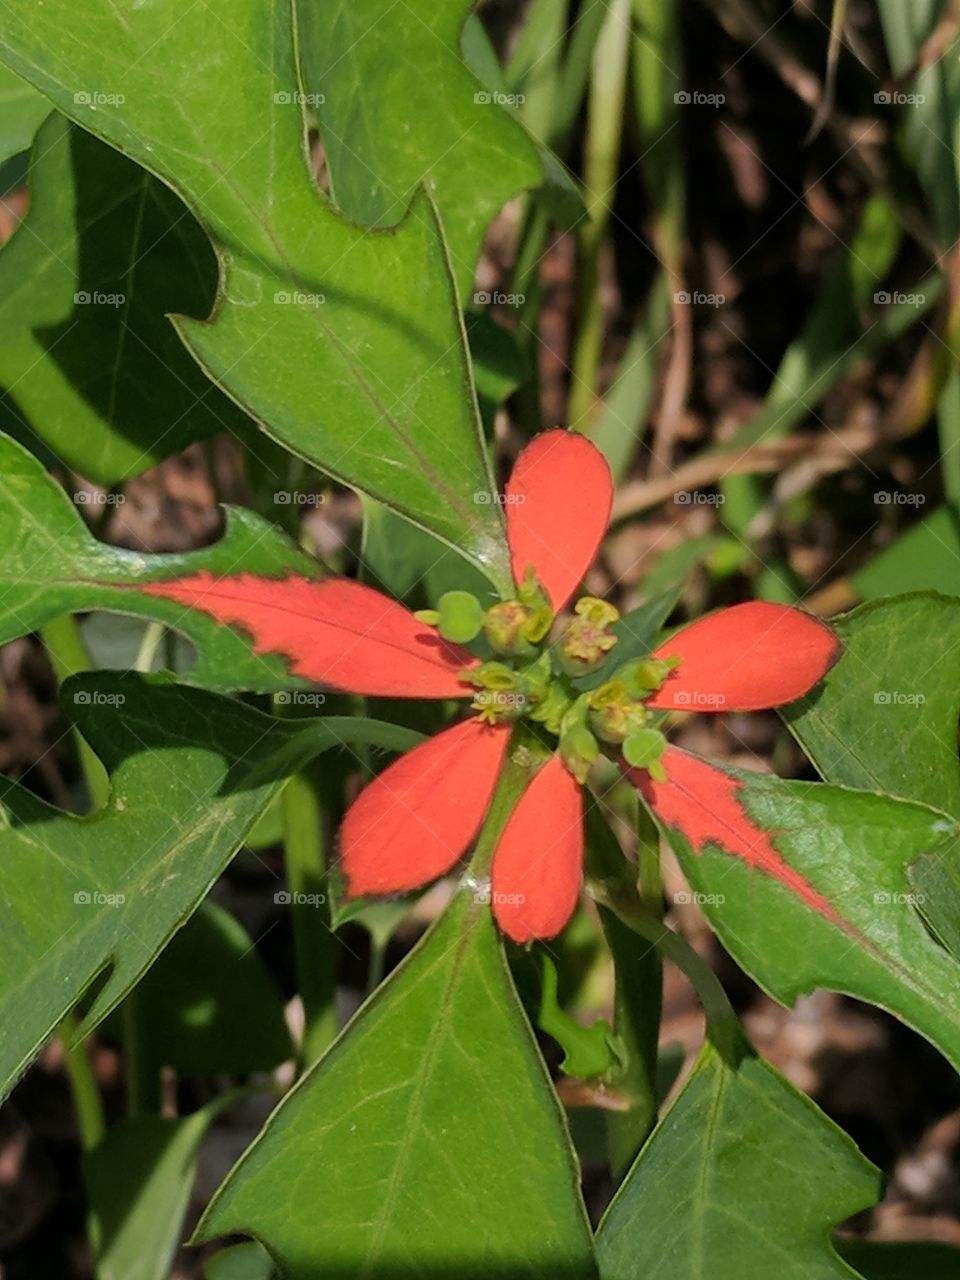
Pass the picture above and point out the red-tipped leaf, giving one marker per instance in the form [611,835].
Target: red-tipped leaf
[338,633]
[415,819]
[703,804]
[538,863]
[746,658]
[557,508]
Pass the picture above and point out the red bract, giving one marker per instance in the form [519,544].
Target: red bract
[419,816]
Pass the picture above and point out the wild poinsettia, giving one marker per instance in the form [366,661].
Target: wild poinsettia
[418,817]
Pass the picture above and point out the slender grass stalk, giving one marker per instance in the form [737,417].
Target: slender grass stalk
[150,642]
[87,1103]
[68,657]
[608,80]
[638,996]
[314,943]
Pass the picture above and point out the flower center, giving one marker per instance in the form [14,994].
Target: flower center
[534,678]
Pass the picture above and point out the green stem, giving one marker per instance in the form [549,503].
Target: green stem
[150,642]
[68,656]
[314,943]
[377,963]
[638,996]
[650,871]
[722,1025]
[87,1103]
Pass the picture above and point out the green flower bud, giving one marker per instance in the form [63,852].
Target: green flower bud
[529,590]
[645,675]
[501,692]
[588,638]
[504,625]
[538,624]
[460,616]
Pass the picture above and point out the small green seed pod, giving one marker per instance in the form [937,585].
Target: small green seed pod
[644,748]
[460,616]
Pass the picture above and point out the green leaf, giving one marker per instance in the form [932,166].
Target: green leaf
[86,282]
[742,1178]
[901,1261]
[53,565]
[211,1004]
[928,120]
[926,556]
[885,716]
[445,130]
[426,1142]
[839,912]
[499,365]
[138,1182]
[347,345]
[412,565]
[98,897]
[22,110]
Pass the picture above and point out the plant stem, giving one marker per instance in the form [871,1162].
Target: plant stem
[87,1104]
[650,871]
[722,1024]
[639,993]
[68,656]
[314,943]
[150,642]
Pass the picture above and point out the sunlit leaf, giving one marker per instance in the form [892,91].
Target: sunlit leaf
[743,1178]
[426,1142]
